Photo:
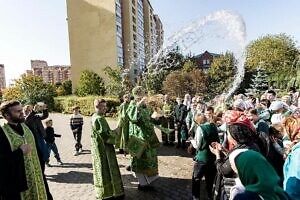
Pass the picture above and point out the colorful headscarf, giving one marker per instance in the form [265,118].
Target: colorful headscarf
[291,125]
[238,117]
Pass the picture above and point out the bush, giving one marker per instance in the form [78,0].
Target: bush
[90,83]
[86,104]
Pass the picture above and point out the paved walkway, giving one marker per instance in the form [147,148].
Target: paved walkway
[74,180]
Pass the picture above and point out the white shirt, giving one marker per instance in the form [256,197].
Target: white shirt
[197,139]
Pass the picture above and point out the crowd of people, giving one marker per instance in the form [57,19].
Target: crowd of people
[248,149]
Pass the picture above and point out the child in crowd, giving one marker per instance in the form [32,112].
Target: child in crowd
[50,141]
[76,123]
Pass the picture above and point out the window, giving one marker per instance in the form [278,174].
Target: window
[133,2]
[119,29]
[134,45]
[204,62]
[118,8]
[120,60]
[119,41]
[208,62]
[119,19]
[134,37]
[133,10]
[134,28]
[135,71]
[133,19]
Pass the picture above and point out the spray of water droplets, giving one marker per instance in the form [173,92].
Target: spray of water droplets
[232,28]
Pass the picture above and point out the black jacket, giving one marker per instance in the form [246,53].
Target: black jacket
[50,135]
[34,122]
[12,169]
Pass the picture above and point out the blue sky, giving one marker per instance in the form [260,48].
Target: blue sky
[35,29]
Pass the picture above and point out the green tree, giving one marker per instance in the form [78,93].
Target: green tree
[221,73]
[277,52]
[189,65]
[114,87]
[259,82]
[180,82]
[30,89]
[12,93]
[67,85]
[90,83]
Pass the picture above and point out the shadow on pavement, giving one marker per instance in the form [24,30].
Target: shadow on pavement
[75,165]
[165,188]
[72,177]
[172,151]
[85,152]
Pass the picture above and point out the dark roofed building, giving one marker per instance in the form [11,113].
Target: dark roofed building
[205,59]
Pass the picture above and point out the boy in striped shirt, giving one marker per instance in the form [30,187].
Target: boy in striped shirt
[76,122]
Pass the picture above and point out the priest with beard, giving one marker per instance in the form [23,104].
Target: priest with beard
[20,171]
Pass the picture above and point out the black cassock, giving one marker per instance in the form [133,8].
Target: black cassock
[12,171]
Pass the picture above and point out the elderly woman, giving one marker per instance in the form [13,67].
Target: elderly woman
[291,168]
[258,177]
[241,134]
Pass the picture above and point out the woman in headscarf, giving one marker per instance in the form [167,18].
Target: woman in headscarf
[291,168]
[241,134]
[256,174]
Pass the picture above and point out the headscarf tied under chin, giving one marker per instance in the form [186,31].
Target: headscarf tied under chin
[292,127]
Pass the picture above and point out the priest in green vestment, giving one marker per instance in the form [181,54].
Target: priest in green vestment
[20,171]
[107,177]
[143,142]
[123,125]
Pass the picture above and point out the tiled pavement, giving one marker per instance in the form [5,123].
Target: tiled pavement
[74,179]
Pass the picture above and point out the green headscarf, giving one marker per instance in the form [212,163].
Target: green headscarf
[257,175]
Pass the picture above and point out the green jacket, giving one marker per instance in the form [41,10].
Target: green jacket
[209,135]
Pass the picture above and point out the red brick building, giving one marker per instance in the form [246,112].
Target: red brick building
[50,74]
[205,59]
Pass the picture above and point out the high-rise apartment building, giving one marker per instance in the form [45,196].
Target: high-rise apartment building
[93,26]
[150,31]
[2,77]
[109,33]
[159,32]
[133,37]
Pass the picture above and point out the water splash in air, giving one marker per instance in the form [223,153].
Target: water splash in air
[222,25]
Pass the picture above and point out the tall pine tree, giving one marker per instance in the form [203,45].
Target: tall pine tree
[259,81]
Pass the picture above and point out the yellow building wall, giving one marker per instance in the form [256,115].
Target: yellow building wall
[92,36]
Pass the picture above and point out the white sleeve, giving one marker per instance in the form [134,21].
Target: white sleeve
[197,139]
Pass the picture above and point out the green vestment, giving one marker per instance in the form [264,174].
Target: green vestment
[107,176]
[167,121]
[143,141]
[36,188]
[123,124]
